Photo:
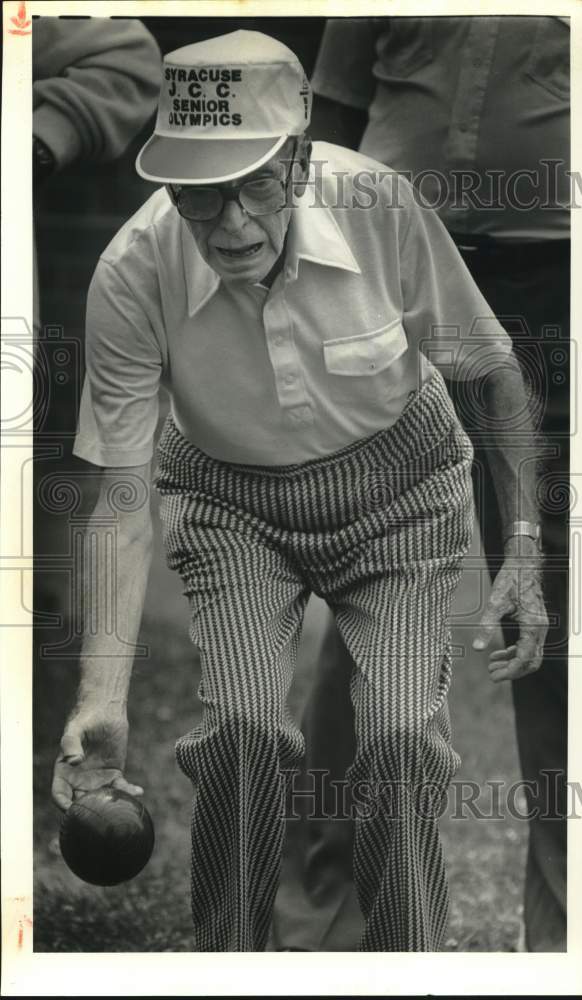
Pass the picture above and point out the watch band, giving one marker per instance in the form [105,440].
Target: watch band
[530,528]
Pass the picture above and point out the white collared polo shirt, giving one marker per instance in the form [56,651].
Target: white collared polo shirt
[372,294]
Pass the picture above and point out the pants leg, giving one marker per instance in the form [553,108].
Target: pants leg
[396,630]
[316,907]
[392,602]
[247,605]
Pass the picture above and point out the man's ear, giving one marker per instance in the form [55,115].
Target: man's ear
[304,159]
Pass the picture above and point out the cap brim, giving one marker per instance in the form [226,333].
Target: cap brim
[203,161]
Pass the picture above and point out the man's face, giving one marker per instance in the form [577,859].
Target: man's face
[241,247]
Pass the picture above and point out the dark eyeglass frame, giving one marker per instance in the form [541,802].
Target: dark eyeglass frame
[234,195]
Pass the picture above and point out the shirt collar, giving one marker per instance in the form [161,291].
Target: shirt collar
[314,235]
[201,281]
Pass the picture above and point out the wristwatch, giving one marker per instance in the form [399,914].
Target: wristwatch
[532,529]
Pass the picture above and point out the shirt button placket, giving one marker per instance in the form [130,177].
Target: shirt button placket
[467,108]
[283,354]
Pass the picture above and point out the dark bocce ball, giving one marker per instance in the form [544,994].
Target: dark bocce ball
[107,837]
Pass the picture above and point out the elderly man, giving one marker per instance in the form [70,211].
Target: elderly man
[299,325]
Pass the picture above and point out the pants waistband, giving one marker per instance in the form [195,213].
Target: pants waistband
[425,421]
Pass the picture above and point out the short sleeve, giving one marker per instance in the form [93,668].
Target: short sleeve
[445,314]
[343,70]
[119,405]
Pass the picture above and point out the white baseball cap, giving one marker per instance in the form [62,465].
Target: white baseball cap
[226,106]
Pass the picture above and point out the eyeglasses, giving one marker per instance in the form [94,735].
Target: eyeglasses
[262,196]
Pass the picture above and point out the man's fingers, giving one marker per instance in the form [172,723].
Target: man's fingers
[126,786]
[517,594]
[496,608]
[514,669]
[502,654]
[72,747]
[62,793]
[523,658]
[530,639]
[485,632]
[505,673]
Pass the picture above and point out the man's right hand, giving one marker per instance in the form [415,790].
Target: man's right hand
[93,752]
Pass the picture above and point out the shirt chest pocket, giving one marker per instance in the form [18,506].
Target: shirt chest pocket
[549,60]
[366,353]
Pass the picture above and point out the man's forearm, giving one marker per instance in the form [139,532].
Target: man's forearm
[114,586]
[511,447]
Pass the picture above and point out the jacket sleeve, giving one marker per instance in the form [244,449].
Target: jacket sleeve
[343,70]
[95,84]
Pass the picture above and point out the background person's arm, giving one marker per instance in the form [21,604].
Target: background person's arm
[94,744]
[343,82]
[95,84]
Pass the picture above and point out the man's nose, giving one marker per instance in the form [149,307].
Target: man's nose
[233,216]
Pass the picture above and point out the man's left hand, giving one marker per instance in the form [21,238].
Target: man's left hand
[517,591]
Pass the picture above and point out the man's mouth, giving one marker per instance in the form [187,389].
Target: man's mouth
[237,253]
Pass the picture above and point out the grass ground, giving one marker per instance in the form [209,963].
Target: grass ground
[485,857]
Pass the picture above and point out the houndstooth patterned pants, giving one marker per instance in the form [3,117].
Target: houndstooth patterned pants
[378,530]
